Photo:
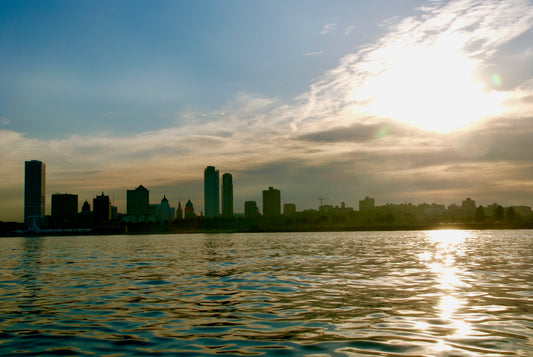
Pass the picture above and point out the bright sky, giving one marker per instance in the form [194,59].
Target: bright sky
[402,100]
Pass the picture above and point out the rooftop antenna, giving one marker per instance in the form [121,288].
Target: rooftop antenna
[322,199]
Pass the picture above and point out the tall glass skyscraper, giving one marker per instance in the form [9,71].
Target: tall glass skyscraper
[34,189]
[227,195]
[211,192]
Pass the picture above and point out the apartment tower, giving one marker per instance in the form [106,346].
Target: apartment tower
[211,192]
[34,189]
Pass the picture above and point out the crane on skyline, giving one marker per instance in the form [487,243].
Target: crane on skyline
[322,199]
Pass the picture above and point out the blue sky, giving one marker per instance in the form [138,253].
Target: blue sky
[71,66]
[403,100]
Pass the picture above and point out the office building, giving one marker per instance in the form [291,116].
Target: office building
[101,209]
[34,189]
[367,204]
[250,210]
[64,208]
[137,201]
[227,195]
[163,213]
[271,202]
[211,192]
[289,209]
[468,208]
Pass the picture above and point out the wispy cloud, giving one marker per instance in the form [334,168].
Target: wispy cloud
[326,134]
[349,30]
[327,28]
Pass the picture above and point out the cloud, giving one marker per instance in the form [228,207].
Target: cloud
[359,132]
[326,141]
[349,30]
[327,28]
[4,121]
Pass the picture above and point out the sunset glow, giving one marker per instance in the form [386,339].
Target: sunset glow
[432,87]
[356,98]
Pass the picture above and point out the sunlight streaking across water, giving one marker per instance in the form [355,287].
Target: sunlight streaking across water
[438,293]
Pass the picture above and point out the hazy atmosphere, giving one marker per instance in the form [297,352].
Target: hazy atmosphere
[421,101]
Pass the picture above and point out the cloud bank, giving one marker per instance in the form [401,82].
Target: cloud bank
[334,139]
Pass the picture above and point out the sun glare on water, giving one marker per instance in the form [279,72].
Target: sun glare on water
[432,87]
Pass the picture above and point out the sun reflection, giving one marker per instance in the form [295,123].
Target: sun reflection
[441,260]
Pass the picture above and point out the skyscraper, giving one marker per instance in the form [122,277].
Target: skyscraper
[64,208]
[137,201]
[101,209]
[250,210]
[211,192]
[34,189]
[227,195]
[271,202]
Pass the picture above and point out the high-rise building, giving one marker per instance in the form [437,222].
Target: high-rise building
[64,208]
[34,189]
[101,209]
[137,201]
[271,202]
[250,210]
[469,208]
[367,204]
[227,196]
[211,192]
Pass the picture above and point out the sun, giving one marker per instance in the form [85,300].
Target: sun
[432,87]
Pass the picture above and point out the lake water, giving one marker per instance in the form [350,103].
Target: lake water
[426,293]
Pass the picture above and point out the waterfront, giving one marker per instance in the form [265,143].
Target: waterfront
[448,292]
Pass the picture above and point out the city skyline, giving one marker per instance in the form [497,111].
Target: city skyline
[419,101]
[64,206]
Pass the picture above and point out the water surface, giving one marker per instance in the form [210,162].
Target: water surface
[436,293]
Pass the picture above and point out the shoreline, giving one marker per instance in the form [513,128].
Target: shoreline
[169,229]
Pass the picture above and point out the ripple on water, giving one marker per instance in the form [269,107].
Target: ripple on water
[320,294]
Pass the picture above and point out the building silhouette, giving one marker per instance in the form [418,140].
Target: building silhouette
[179,211]
[64,208]
[271,202]
[211,192]
[250,210]
[34,189]
[189,210]
[468,208]
[289,209]
[101,209]
[86,207]
[137,201]
[367,204]
[227,195]
[162,213]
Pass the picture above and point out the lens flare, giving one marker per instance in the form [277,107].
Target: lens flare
[496,80]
